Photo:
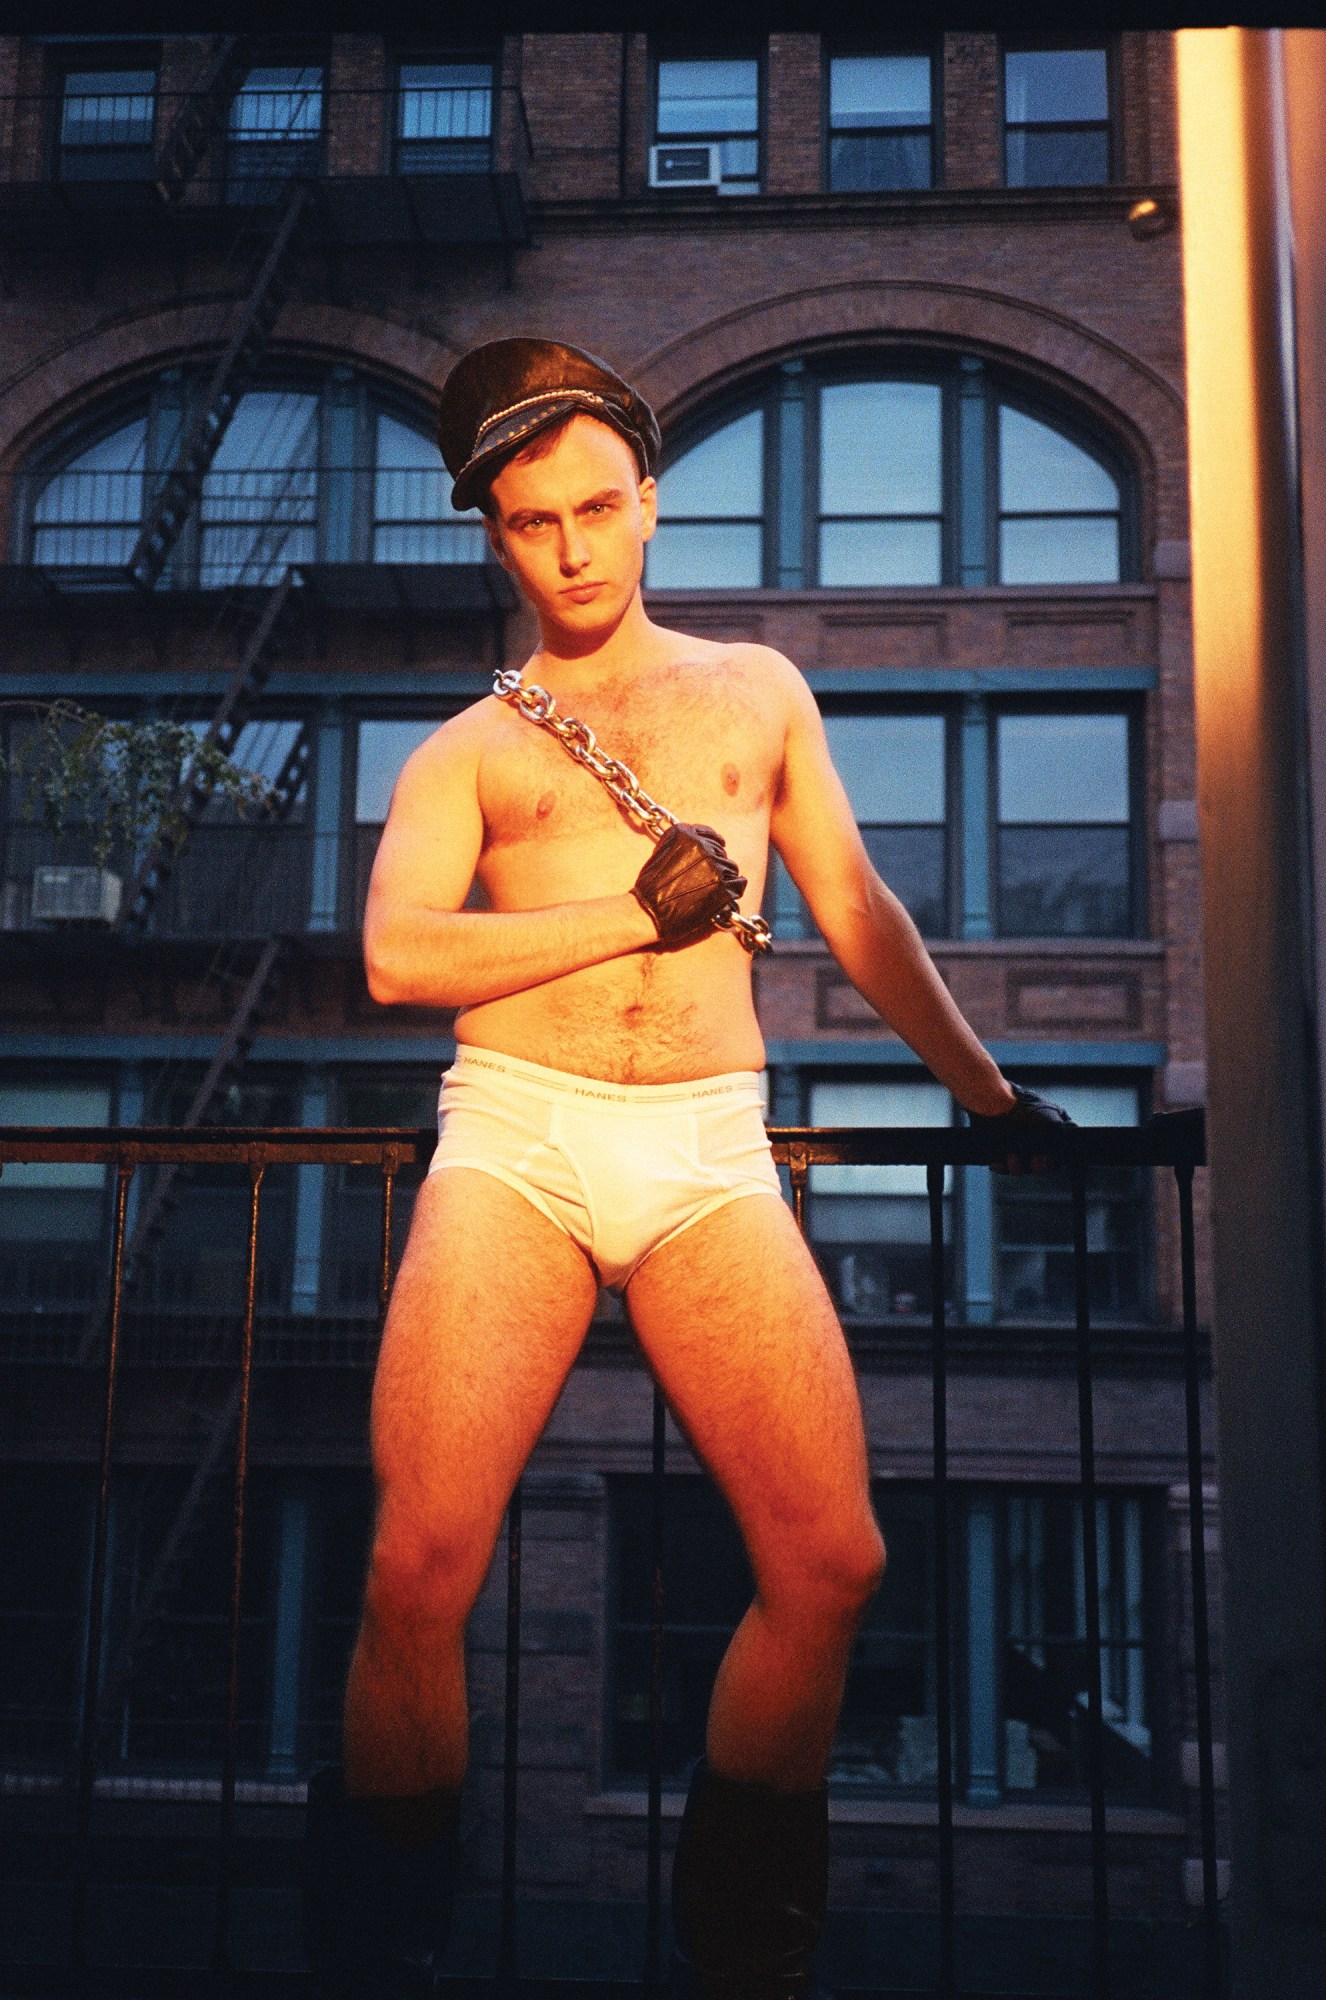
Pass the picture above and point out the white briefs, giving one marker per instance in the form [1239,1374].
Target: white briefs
[621,1168]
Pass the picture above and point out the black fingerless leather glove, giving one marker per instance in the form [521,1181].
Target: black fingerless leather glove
[1018,1126]
[688,880]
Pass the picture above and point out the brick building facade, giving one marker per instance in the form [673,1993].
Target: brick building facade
[921,307]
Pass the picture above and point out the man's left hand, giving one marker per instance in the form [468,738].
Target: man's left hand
[1018,1126]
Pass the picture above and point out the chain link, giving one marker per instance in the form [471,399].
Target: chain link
[645,814]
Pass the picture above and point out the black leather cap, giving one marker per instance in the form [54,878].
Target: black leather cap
[500,395]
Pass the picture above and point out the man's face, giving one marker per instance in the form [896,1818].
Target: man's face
[571,527]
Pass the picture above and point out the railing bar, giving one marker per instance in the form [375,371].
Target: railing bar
[934,1182]
[654,1825]
[87,1740]
[1212,1981]
[1100,1914]
[506,1941]
[230,1757]
[384,1267]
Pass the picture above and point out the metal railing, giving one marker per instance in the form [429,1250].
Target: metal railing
[265,135]
[1174,1143]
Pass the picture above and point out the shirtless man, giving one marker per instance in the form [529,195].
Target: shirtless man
[602,1125]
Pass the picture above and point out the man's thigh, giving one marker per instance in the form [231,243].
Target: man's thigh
[740,1331]
[487,1314]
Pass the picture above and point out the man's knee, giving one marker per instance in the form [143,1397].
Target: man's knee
[835,1568]
[425,1574]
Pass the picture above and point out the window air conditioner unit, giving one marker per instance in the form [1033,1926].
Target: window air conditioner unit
[75,895]
[685,166]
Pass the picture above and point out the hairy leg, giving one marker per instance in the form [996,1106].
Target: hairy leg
[488,1313]
[739,1329]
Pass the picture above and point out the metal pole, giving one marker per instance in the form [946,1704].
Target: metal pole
[506,1942]
[654,1827]
[230,1757]
[1100,1912]
[934,1182]
[87,1741]
[1212,1984]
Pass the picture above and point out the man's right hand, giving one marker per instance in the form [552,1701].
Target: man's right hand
[688,880]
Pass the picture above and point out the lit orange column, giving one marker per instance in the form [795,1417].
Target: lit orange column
[1264,1107]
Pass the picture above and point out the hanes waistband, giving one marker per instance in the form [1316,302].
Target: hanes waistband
[637,1096]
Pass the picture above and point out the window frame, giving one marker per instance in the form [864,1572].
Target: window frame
[1029,400]
[929,46]
[1133,707]
[691,48]
[109,59]
[411,54]
[1052,44]
[230,188]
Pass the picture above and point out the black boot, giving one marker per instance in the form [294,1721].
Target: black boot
[749,1887]
[376,1909]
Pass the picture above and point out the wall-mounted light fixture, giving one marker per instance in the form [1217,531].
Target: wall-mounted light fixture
[1150,217]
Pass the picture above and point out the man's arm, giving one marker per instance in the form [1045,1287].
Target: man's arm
[865,926]
[421,947]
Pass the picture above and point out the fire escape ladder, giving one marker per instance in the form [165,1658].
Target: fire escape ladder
[235,707]
[155,1210]
[180,489]
[199,117]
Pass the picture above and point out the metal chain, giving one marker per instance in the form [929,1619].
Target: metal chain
[645,814]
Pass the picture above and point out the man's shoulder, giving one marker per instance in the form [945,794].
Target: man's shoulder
[743,659]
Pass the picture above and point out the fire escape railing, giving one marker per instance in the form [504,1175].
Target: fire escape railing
[1174,1142]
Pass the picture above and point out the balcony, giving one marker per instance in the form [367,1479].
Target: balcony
[179,1744]
[426,164]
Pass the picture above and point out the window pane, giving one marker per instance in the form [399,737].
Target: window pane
[1062,769]
[1041,472]
[868,1103]
[413,519]
[1064,882]
[1059,549]
[278,103]
[913,861]
[721,476]
[1094,1103]
[892,766]
[865,552]
[107,111]
[705,557]
[53,1104]
[880,449]
[874,162]
[1047,158]
[1055,86]
[88,514]
[701,97]
[445,101]
[383,749]
[259,501]
[879,90]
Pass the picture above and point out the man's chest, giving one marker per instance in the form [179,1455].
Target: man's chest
[704,754]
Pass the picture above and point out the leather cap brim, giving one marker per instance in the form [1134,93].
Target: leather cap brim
[503,438]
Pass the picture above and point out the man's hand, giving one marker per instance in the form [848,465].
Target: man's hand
[1031,1113]
[688,880]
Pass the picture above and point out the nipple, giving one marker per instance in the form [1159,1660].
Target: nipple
[545,805]
[731,779]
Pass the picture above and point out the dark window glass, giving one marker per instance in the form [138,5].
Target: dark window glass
[260,497]
[1057,113]
[881,501]
[52,1214]
[43,1609]
[274,132]
[342,1522]
[106,121]
[352,1257]
[87,516]
[1034,1224]
[879,122]
[886,1733]
[240,873]
[1046,1661]
[870,1226]
[413,519]
[444,118]
[718,100]
[1064,843]
[1059,508]
[893,770]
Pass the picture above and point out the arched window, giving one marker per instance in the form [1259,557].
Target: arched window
[915,475]
[319,470]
